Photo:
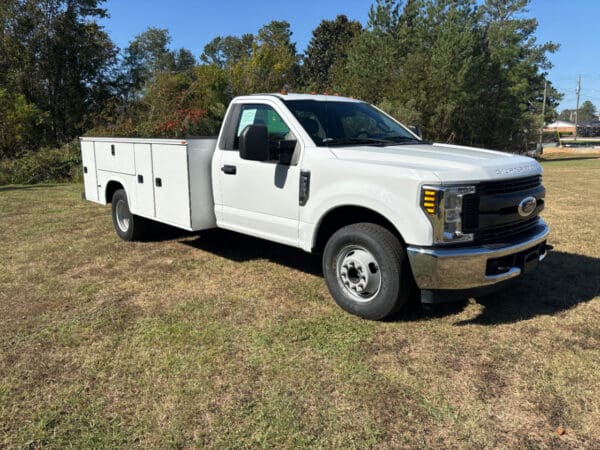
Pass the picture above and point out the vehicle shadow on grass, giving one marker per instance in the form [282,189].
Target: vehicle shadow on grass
[160,232]
[240,248]
[561,282]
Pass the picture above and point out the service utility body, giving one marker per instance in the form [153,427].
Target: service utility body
[389,212]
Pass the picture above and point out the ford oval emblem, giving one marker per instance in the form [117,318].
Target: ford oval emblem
[527,206]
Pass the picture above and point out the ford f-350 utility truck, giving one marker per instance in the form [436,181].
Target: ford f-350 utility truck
[336,176]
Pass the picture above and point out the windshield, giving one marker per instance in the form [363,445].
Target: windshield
[331,123]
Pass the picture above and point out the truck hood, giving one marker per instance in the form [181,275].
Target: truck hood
[450,163]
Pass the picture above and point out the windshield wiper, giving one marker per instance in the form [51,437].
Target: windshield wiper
[356,141]
[407,140]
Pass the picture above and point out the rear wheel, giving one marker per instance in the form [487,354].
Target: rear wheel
[128,226]
[365,268]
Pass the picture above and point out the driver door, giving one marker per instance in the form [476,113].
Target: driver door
[260,198]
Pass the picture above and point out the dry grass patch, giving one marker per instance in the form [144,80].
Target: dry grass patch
[220,340]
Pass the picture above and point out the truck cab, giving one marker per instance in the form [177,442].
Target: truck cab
[387,210]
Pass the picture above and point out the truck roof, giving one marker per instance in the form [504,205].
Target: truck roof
[316,97]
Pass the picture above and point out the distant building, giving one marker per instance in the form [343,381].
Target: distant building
[561,126]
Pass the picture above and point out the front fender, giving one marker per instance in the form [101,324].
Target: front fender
[397,202]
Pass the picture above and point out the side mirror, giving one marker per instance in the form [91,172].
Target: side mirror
[254,143]
[417,130]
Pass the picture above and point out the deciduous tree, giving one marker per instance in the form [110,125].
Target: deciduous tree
[226,51]
[57,57]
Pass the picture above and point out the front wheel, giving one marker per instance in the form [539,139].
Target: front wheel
[365,268]
[128,226]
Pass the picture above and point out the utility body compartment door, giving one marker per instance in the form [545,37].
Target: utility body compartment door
[90,177]
[115,157]
[144,183]
[171,184]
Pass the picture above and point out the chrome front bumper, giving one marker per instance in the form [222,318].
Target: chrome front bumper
[466,267]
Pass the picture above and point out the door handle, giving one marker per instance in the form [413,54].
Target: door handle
[229,169]
[112,149]
[158,182]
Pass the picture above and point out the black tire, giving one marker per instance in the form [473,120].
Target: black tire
[128,226]
[346,259]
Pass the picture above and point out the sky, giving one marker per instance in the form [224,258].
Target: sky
[193,23]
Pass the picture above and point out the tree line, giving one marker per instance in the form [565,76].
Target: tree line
[587,111]
[467,72]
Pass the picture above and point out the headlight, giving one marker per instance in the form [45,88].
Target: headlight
[443,206]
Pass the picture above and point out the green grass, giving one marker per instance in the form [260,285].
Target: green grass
[224,341]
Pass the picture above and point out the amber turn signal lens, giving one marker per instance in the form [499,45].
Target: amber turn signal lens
[429,201]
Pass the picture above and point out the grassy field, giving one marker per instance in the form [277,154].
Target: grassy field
[225,341]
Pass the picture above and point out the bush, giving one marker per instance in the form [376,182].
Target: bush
[5,172]
[20,124]
[179,105]
[44,166]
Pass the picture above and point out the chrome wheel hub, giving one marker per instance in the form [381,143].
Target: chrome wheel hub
[358,272]
[122,215]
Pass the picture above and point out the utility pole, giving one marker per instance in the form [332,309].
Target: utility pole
[577,109]
[543,114]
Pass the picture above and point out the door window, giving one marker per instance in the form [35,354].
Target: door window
[262,115]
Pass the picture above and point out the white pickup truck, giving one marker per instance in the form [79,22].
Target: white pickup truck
[387,210]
